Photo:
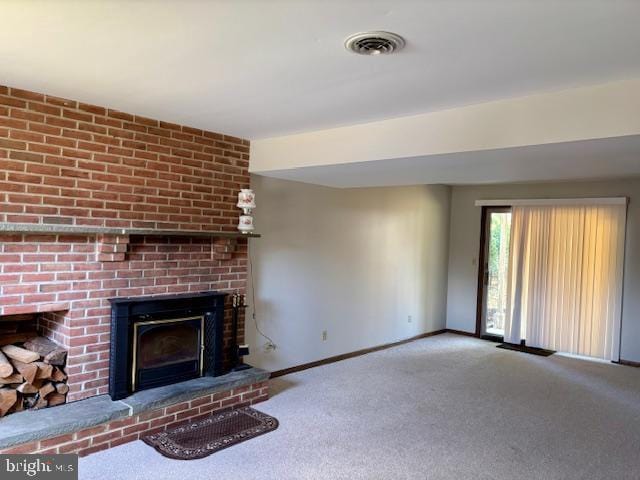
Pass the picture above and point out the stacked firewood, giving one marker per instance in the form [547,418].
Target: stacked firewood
[32,375]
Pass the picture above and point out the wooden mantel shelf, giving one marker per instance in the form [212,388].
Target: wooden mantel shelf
[81,230]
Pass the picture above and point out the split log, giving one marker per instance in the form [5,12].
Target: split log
[56,357]
[19,405]
[15,378]
[38,382]
[56,399]
[52,353]
[62,388]
[41,345]
[6,369]
[8,398]
[20,354]
[27,388]
[58,375]
[27,370]
[46,389]
[45,370]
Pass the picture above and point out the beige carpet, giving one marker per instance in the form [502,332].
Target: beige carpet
[446,407]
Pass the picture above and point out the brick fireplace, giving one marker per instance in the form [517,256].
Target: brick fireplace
[107,204]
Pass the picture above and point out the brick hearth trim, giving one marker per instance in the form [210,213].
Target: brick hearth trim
[111,434]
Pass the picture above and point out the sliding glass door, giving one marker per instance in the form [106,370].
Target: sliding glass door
[494,271]
[566,276]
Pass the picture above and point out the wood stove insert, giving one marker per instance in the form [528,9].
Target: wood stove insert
[166,339]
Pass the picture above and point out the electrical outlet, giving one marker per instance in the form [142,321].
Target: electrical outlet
[269,346]
[324,335]
[409,319]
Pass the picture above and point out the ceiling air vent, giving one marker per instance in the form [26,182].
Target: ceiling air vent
[374,43]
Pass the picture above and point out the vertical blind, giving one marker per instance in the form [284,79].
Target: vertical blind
[565,278]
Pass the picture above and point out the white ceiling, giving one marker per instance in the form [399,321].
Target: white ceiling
[587,159]
[257,68]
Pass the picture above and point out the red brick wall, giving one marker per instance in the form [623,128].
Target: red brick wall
[73,163]
[65,162]
[124,430]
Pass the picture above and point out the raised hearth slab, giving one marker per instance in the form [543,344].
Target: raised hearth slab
[33,425]
[180,392]
[28,426]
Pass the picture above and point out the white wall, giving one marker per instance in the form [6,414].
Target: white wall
[465,245]
[354,262]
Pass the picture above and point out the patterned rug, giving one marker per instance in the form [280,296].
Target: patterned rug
[204,437]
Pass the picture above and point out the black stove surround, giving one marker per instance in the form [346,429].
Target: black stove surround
[165,339]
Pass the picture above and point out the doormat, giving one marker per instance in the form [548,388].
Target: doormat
[523,348]
[220,430]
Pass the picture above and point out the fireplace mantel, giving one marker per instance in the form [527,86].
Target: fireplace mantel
[54,229]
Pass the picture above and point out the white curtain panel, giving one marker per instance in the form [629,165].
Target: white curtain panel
[565,278]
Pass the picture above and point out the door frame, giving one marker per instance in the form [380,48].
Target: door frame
[483,260]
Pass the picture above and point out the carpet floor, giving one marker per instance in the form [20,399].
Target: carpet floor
[444,407]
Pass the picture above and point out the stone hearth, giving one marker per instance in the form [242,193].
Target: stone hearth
[98,423]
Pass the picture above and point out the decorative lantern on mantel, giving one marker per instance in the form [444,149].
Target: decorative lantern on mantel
[247,202]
